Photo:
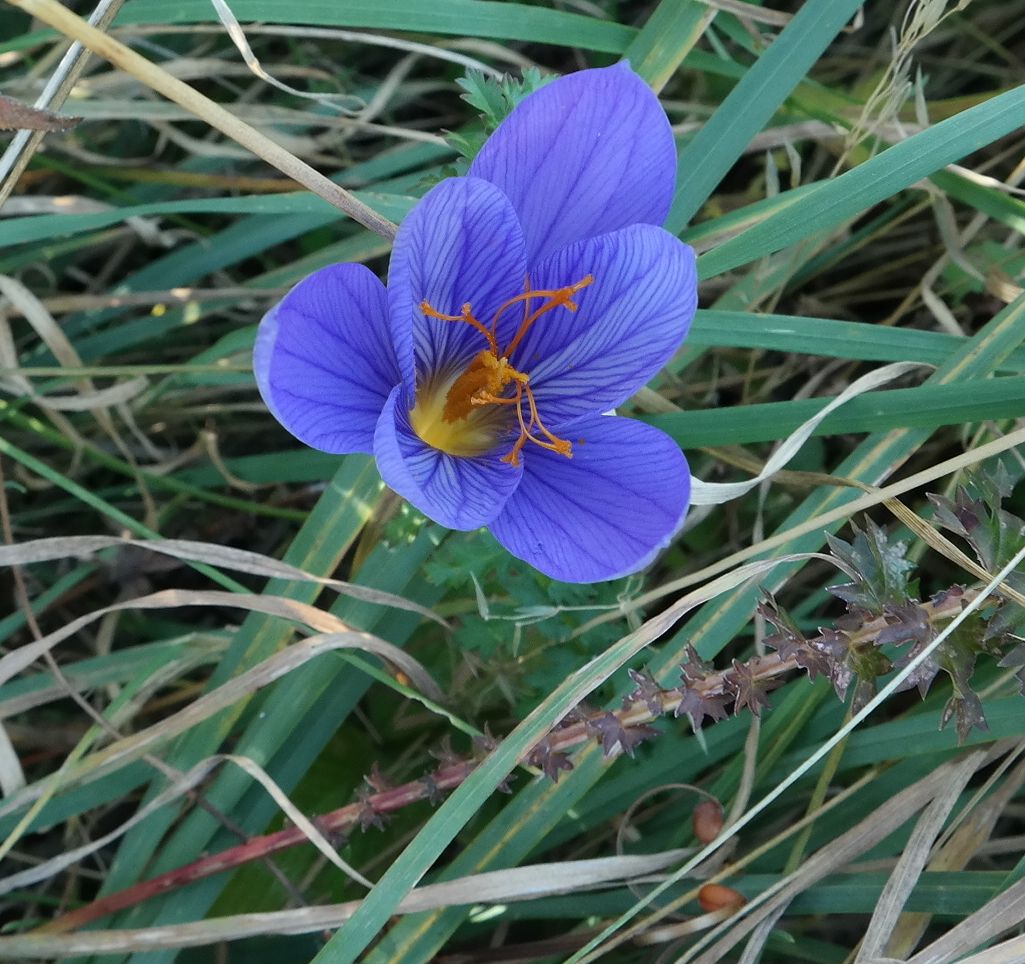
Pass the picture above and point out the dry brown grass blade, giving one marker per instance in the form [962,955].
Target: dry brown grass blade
[750,11]
[442,48]
[88,401]
[335,635]
[60,18]
[14,293]
[181,786]
[87,397]
[64,304]
[912,862]
[961,846]
[1003,912]
[201,648]
[303,132]
[12,777]
[1009,952]
[519,883]
[51,334]
[716,493]
[223,557]
[316,619]
[860,838]
[238,38]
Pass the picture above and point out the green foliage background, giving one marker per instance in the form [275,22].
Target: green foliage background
[849,176]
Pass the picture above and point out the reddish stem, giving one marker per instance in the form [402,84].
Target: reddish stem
[445,778]
[395,798]
[448,776]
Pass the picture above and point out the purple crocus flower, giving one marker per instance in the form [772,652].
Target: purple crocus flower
[523,302]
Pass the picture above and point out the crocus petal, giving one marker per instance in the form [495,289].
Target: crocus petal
[458,492]
[589,153]
[462,243]
[630,321]
[603,513]
[324,361]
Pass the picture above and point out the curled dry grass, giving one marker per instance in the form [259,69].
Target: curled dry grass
[826,178]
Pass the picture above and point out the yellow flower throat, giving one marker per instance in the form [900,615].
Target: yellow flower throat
[466,414]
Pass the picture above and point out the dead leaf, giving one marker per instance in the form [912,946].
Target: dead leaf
[15,115]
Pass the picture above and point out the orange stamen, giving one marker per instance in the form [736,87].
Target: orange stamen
[560,297]
[489,374]
[561,445]
[528,293]
[513,455]
[466,316]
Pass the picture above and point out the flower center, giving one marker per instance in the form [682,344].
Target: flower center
[465,414]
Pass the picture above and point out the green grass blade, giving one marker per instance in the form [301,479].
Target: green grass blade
[895,169]
[461,18]
[827,337]
[669,34]
[45,226]
[749,106]
[926,407]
